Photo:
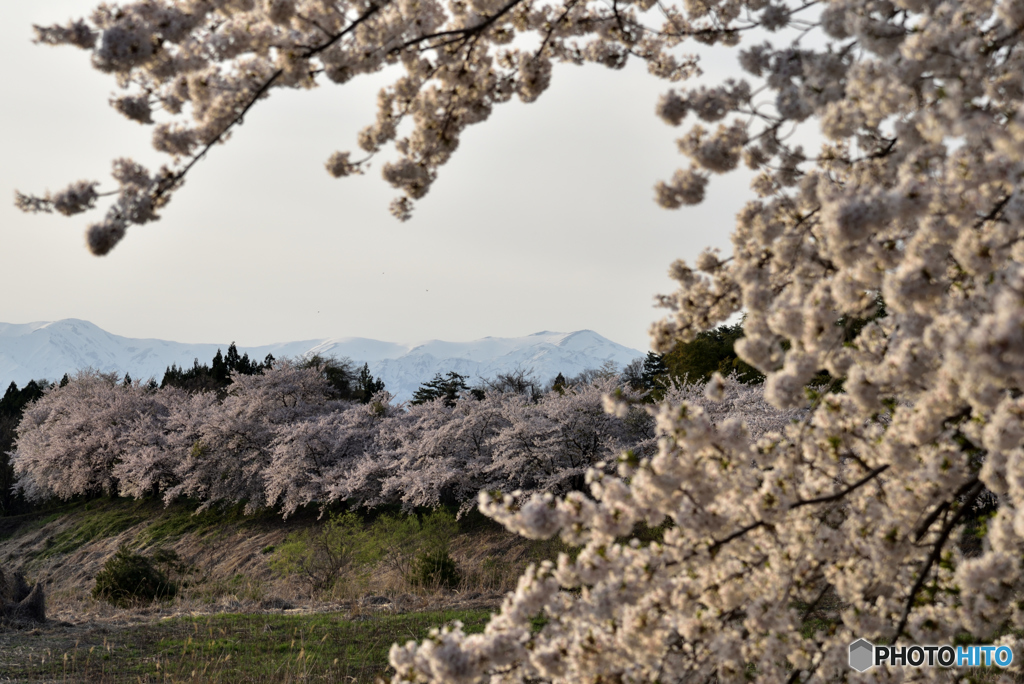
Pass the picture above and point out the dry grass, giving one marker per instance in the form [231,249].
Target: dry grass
[228,586]
[228,559]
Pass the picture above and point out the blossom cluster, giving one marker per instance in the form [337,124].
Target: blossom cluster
[192,69]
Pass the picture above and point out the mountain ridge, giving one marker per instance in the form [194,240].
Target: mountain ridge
[48,349]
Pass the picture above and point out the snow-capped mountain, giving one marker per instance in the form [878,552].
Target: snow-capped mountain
[48,350]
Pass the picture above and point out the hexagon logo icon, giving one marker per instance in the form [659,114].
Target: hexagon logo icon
[862,655]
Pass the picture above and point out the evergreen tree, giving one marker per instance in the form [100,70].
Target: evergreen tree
[11,407]
[367,385]
[711,351]
[654,370]
[198,378]
[448,387]
[219,369]
[10,396]
[217,376]
[65,380]
[559,384]
[654,377]
[240,365]
[127,380]
[232,359]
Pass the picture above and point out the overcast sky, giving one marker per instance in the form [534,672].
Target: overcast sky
[543,220]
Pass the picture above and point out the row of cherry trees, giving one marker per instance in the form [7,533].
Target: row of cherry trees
[279,440]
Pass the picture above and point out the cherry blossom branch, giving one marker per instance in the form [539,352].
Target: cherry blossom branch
[922,529]
[169,183]
[459,34]
[797,504]
[972,494]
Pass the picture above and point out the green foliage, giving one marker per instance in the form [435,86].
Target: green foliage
[433,565]
[172,521]
[711,351]
[366,385]
[655,375]
[397,537]
[198,378]
[437,528]
[646,534]
[851,326]
[449,388]
[322,556]
[219,370]
[12,405]
[435,569]
[129,578]
[99,519]
[242,364]
[215,377]
[714,350]
[416,546]
[260,648]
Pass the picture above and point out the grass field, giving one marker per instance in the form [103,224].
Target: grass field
[227,648]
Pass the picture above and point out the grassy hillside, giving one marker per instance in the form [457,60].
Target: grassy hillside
[242,612]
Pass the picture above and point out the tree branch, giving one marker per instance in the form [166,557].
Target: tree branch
[922,529]
[170,182]
[459,34]
[838,495]
[934,556]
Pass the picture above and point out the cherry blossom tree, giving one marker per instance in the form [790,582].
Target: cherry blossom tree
[192,69]
[435,453]
[81,438]
[315,459]
[149,464]
[234,440]
[550,445]
[914,195]
[279,440]
[438,454]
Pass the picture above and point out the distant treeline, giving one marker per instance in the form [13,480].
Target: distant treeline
[648,378]
[282,439]
[278,439]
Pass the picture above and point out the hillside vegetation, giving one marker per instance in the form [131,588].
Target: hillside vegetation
[240,579]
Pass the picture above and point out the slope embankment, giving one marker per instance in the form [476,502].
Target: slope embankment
[229,562]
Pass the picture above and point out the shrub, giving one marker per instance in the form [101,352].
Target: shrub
[435,569]
[129,579]
[397,538]
[322,556]
[416,547]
